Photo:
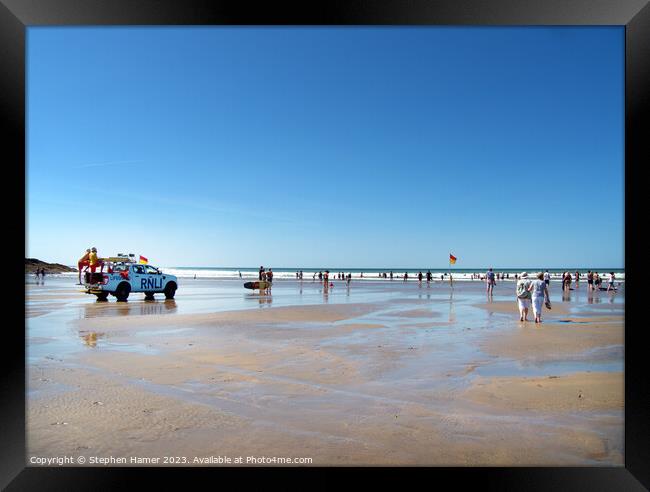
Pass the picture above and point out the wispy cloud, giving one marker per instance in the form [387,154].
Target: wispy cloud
[107,163]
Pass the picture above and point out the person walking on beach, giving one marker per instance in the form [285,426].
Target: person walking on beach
[261,274]
[391,275]
[420,278]
[406,276]
[83,262]
[490,282]
[269,277]
[590,281]
[577,277]
[239,271]
[597,281]
[539,294]
[326,279]
[547,278]
[429,277]
[523,296]
[320,276]
[611,284]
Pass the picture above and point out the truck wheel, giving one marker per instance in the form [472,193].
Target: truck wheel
[148,296]
[102,297]
[122,292]
[170,290]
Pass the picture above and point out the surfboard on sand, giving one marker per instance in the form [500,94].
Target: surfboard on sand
[262,284]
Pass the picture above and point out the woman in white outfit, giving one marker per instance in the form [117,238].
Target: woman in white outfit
[539,293]
[523,296]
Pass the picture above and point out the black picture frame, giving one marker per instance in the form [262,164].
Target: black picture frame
[17,15]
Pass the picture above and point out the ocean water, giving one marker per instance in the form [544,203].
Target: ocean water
[289,273]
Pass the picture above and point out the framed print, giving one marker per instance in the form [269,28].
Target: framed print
[349,236]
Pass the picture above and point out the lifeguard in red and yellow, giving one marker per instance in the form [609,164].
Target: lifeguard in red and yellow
[94,261]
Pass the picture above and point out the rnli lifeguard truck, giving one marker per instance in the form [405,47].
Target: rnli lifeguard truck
[122,275]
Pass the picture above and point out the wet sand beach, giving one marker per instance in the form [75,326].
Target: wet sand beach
[382,373]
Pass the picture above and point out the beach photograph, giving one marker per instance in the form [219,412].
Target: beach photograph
[292,246]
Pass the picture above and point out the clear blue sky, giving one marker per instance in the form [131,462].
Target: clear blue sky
[359,147]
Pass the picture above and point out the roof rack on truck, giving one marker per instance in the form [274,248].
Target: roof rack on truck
[121,258]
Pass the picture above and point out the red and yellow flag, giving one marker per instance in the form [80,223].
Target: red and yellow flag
[143,260]
[452,259]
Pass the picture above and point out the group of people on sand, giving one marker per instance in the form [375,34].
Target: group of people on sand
[266,275]
[497,276]
[533,292]
[40,274]
[594,281]
[325,277]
